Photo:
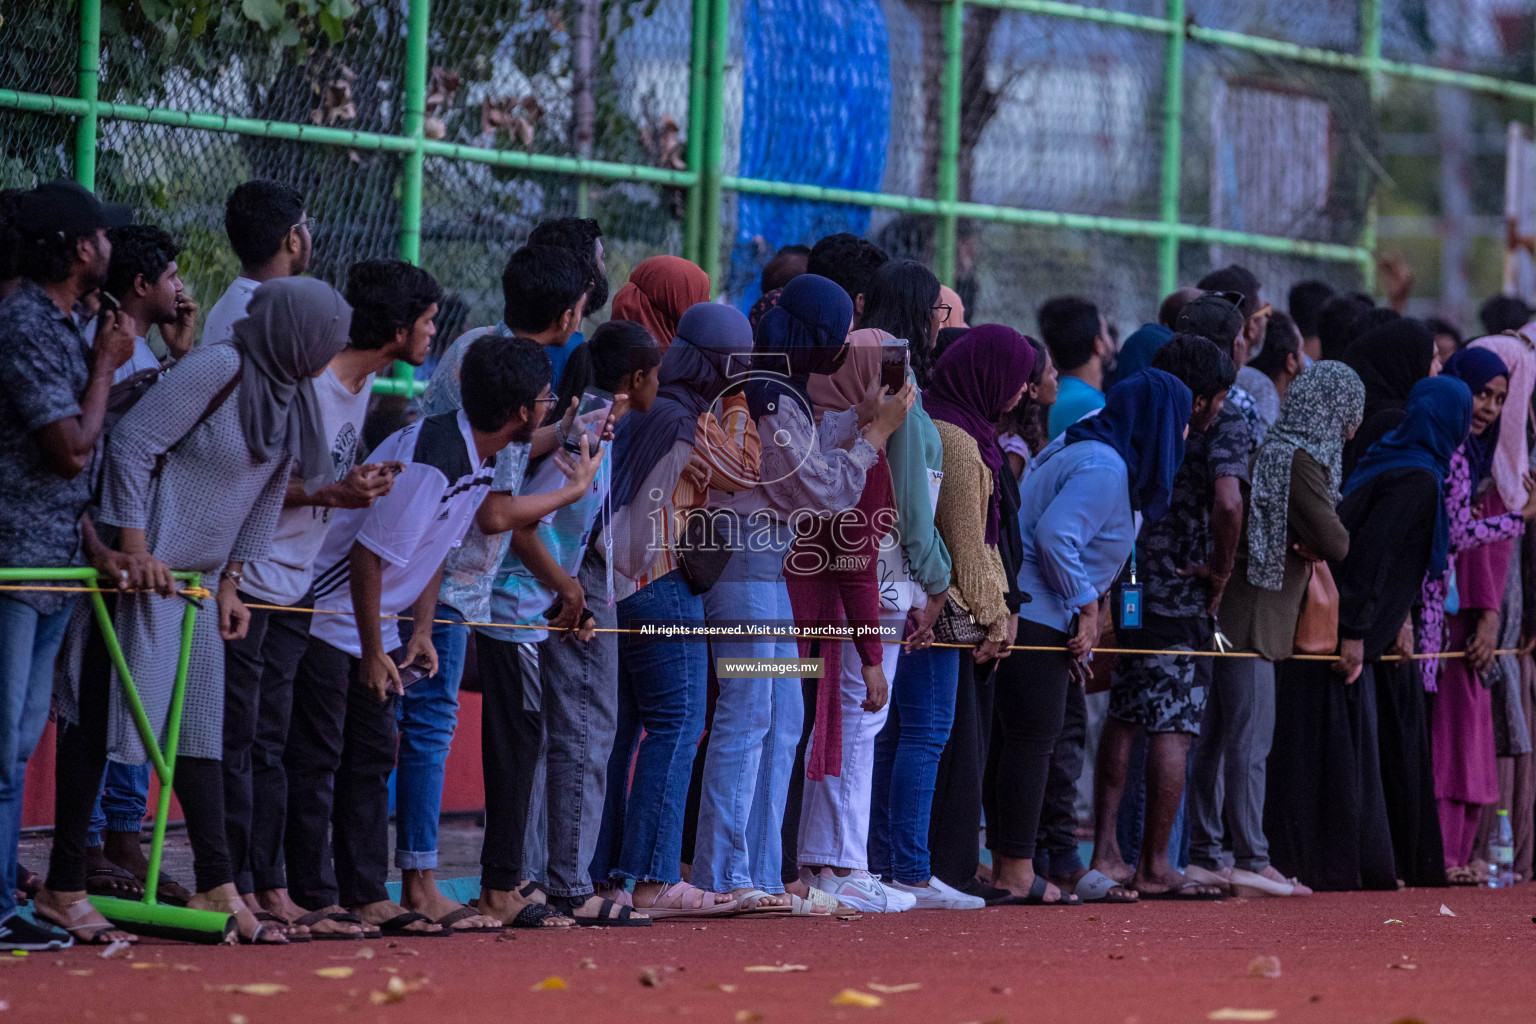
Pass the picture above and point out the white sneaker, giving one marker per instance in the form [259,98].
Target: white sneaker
[938,896]
[860,890]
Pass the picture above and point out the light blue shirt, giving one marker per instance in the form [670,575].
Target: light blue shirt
[1078,528]
[1075,400]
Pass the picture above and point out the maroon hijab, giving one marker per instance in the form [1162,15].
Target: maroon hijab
[970,384]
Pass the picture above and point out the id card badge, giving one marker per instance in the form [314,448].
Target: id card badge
[1130,600]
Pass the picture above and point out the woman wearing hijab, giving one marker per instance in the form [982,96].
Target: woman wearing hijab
[1461,732]
[1325,811]
[1078,526]
[803,474]
[1389,359]
[913,566]
[667,459]
[833,573]
[659,291]
[194,479]
[975,381]
[1291,519]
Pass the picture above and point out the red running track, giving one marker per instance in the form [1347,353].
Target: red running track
[1149,964]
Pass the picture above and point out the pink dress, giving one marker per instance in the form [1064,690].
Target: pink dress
[1461,735]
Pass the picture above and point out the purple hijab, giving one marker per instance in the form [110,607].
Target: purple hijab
[971,382]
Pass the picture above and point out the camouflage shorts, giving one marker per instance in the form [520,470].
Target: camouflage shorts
[1160,692]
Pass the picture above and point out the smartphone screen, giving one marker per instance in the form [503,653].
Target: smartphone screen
[893,368]
[591,413]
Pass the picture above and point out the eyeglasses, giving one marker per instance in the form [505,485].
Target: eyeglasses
[308,223]
[547,400]
[943,311]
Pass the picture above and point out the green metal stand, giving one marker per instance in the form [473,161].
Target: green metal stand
[147,916]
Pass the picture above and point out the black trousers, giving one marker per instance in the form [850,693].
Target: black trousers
[341,749]
[954,830]
[82,756]
[1057,836]
[258,702]
[1027,719]
[511,729]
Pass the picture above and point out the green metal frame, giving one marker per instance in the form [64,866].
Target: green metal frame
[705,180]
[161,759]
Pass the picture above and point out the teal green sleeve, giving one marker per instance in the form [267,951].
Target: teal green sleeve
[912,450]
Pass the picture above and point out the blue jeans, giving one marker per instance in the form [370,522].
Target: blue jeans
[907,755]
[753,739]
[123,801]
[429,711]
[29,642]
[662,690]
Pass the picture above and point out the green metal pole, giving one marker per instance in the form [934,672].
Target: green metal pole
[1173,151]
[418,28]
[714,141]
[89,80]
[948,185]
[698,117]
[1370,51]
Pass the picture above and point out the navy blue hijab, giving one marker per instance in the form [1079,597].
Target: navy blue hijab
[712,344]
[1143,419]
[1436,422]
[802,335]
[1477,367]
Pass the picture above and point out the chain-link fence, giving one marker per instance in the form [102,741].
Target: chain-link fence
[1026,147]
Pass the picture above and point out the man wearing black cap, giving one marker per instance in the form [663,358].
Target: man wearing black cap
[53,398]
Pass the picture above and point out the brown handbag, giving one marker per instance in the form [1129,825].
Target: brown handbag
[1317,628]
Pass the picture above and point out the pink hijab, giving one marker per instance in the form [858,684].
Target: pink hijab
[1511,460]
[847,386]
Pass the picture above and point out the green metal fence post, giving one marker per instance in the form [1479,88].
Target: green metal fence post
[89,79]
[1173,150]
[947,188]
[1370,50]
[418,28]
[710,193]
[698,117]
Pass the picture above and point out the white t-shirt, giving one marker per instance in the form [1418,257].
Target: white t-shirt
[143,357]
[412,528]
[220,323]
[284,576]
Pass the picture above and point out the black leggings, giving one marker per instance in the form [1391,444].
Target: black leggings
[82,757]
[1029,705]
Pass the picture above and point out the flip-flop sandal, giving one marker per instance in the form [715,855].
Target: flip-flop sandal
[453,917]
[1096,886]
[1036,897]
[28,882]
[534,915]
[534,892]
[277,925]
[171,892]
[669,902]
[89,934]
[1180,895]
[609,915]
[114,881]
[397,927]
[314,917]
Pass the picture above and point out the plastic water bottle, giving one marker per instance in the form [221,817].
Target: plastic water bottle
[1502,852]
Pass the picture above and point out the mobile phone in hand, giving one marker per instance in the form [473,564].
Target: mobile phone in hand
[893,367]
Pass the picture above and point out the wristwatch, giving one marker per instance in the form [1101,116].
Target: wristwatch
[233,575]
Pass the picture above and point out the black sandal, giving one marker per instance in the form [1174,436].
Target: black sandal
[114,881]
[314,917]
[534,915]
[267,919]
[453,917]
[398,927]
[609,914]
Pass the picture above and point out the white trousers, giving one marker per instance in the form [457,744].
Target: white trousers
[834,813]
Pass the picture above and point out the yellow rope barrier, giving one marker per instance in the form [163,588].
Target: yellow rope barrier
[202,593]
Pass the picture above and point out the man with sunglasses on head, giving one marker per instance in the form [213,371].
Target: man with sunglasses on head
[269,231]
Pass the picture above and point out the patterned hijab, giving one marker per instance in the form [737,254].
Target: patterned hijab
[293,327]
[1322,405]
